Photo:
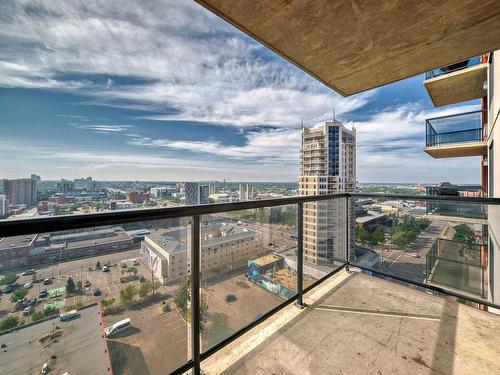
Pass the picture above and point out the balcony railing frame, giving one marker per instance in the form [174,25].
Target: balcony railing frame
[473,61]
[10,228]
[432,136]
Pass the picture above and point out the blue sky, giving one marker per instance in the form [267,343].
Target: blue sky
[164,90]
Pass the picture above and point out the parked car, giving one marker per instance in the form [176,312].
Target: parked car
[28,272]
[45,368]
[141,278]
[105,269]
[28,310]
[28,285]
[86,283]
[43,293]
[20,304]
[124,265]
[117,327]
[8,289]
[97,292]
[68,315]
[46,281]
[135,262]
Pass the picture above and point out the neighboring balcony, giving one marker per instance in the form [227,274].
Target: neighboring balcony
[457,83]
[455,136]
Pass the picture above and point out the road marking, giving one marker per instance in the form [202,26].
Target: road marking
[374,313]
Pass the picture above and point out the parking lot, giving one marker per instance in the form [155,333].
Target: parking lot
[155,344]
[74,346]
[107,282]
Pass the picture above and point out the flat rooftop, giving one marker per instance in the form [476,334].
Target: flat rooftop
[16,241]
[360,324]
[178,239]
[80,348]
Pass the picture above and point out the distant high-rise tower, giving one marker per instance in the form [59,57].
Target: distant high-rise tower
[65,187]
[20,191]
[328,166]
[196,193]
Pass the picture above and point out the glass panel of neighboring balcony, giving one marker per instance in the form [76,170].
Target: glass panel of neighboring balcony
[404,237]
[458,82]
[455,136]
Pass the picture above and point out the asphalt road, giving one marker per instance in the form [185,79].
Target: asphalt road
[404,263]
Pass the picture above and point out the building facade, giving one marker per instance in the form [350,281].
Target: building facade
[196,193]
[20,191]
[167,253]
[4,205]
[65,187]
[328,166]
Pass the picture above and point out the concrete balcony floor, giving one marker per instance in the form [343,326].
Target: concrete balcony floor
[360,324]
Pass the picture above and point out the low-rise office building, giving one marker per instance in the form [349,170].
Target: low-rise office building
[167,252]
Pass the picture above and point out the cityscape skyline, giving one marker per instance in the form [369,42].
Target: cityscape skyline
[193,99]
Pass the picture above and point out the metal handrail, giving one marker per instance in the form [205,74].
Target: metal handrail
[472,61]
[456,114]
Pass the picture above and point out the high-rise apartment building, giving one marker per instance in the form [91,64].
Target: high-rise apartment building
[328,166]
[4,205]
[196,193]
[20,191]
[472,134]
[65,187]
[36,177]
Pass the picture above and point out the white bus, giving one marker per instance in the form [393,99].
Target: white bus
[117,327]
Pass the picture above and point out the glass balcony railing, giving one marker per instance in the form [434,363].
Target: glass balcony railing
[164,290]
[453,68]
[459,128]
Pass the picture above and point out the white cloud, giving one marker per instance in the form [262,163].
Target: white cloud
[186,58]
[104,128]
[266,146]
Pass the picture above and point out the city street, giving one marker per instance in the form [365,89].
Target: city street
[404,262]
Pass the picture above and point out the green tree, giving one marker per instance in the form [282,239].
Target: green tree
[50,310]
[362,235]
[107,303]
[9,322]
[145,288]
[70,286]
[377,236]
[79,284]
[181,297]
[98,265]
[9,279]
[18,294]
[134,270]
[127,294]
[463,233]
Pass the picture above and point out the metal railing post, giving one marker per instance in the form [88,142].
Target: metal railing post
[195,293]
[347,229]
[300,255]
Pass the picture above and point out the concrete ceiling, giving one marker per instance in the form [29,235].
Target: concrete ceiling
[356,45]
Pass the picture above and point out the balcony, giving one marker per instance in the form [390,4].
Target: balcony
[457,83]
[378,298]
[455,136]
